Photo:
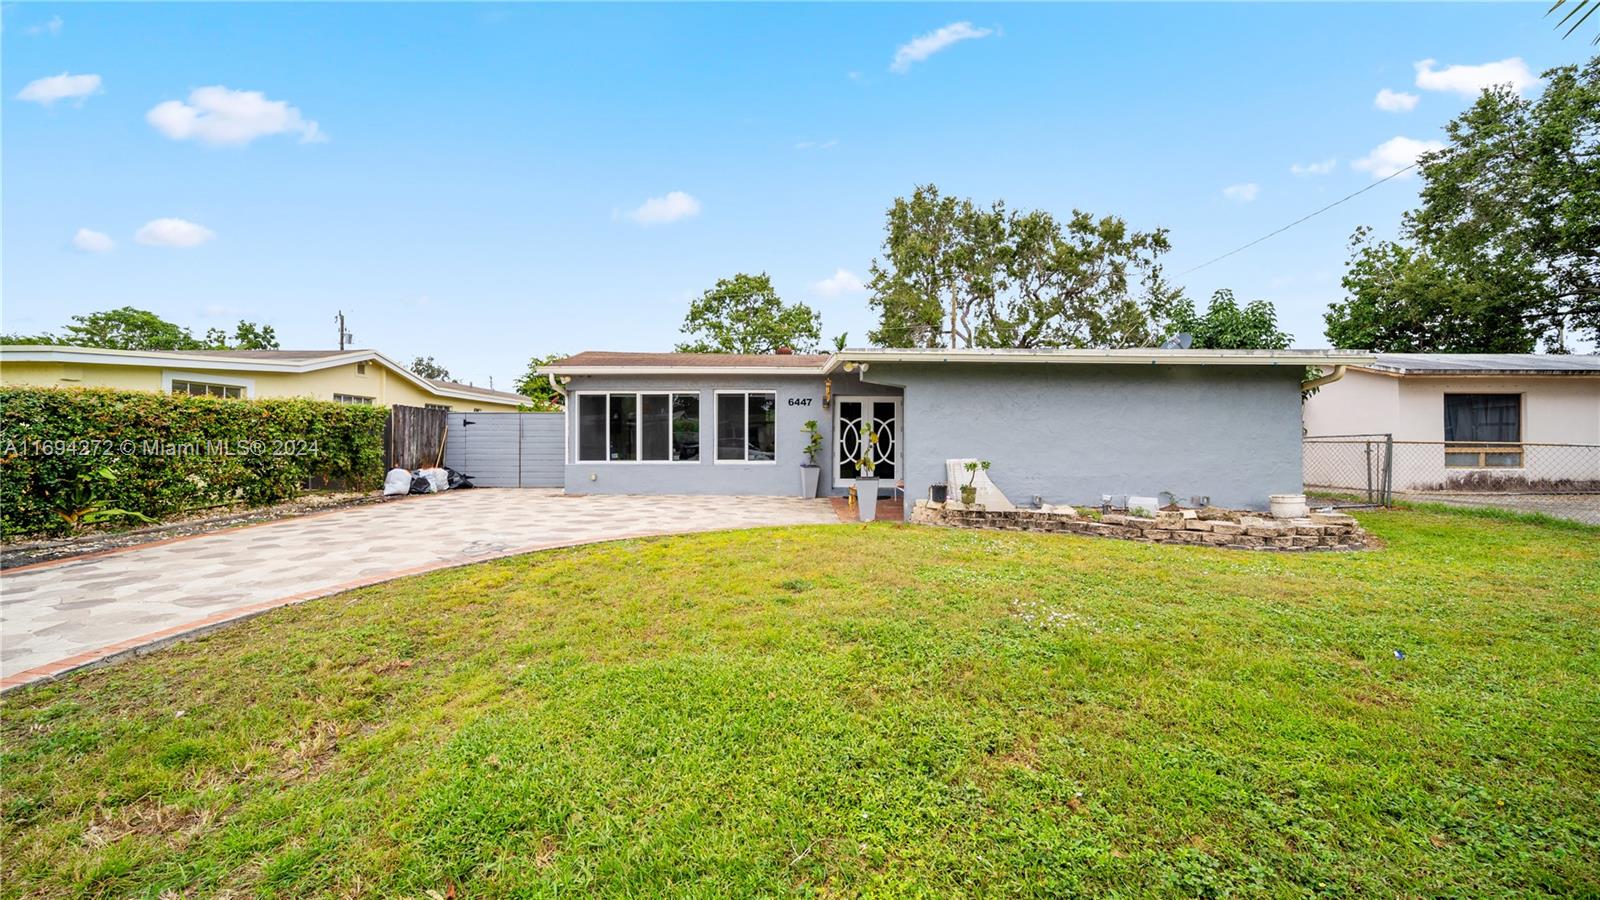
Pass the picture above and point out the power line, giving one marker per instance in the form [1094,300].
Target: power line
[1298,221]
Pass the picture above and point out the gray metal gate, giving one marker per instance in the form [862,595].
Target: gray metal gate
[506,449]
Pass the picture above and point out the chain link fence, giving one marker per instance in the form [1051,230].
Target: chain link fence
[1375,470]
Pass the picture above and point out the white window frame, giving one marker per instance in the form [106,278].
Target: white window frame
[716,412]
[576,447]
[168,376]
[355,399]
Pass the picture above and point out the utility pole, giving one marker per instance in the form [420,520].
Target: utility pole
[345,337]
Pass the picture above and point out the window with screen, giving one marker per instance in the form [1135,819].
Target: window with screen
[1483,419]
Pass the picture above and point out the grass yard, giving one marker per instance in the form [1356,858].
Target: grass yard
[842,710]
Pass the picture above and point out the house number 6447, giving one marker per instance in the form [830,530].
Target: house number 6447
[800,401]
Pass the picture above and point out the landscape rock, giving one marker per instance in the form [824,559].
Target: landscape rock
[1212,526]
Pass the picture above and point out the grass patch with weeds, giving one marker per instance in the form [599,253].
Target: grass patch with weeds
[883,710]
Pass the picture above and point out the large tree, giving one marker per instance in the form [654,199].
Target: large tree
[919,288]
[128,328]
[744,314]
[962,275]
[1503,253]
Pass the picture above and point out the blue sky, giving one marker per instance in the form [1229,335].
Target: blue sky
[466,181]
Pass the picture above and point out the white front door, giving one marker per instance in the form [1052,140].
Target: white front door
[851,415]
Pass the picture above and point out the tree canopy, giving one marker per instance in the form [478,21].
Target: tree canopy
[744,314]
[1503,253]
[536,387]
[1225,325]
[427,368]
[128,328]
[957,274]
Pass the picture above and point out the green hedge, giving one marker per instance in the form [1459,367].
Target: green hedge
[172,453]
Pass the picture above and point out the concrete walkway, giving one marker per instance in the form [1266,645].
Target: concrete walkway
[55,617]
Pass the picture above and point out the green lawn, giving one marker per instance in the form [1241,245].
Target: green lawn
[841,710]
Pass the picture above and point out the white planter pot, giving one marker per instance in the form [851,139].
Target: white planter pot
[809,476]
[1288,506]
[867,499]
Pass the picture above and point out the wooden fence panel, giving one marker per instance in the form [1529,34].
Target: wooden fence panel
[413,438]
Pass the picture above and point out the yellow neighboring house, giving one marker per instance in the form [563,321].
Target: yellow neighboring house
[343,376]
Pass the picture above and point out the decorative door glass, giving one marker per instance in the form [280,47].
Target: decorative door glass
[849,431]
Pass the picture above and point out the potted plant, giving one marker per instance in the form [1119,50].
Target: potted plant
[809,472]
[867,477]
[969,491]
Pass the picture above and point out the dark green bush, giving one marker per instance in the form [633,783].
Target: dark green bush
[173,453]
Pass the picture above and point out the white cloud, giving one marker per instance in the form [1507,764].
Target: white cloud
[222,117]
[841,282]
[1395,101]
[46,91]
[1393,155]
[92,241]
[173,233]
[923,46]
[664,210]
[1470,80]
[817,145]
[1242,193]
[1316,168]
[51,27]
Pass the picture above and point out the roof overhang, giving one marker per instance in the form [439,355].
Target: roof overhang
[1393,372]
[850,359]
[103,357]
[1134,357]
[567,371]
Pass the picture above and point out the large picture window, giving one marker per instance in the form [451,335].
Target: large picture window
[639,427]
[747,426]
[1494,419]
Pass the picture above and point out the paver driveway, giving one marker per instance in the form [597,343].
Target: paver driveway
[60,616]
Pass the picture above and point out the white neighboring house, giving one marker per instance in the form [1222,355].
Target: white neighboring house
[1460,419]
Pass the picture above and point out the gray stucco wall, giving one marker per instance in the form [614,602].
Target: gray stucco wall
[708,476]
[1070,433]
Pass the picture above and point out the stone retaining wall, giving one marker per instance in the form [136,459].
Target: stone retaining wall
[1211,526]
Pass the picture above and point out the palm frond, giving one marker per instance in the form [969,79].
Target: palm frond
[1575,7]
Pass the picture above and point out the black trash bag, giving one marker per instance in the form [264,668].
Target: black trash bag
[421,485]
[457,480]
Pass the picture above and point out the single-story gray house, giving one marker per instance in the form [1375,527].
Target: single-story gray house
[1065,426]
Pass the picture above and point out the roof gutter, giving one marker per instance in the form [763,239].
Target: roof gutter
[1330,378]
